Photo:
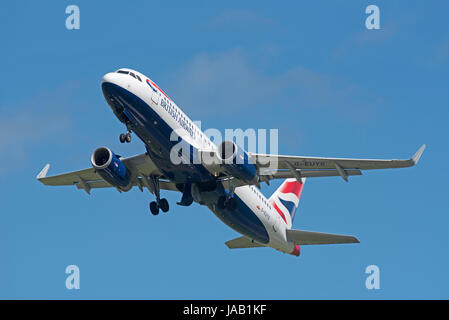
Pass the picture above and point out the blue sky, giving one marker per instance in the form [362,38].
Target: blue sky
[312,70]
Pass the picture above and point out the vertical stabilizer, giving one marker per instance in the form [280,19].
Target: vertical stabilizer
[285,199]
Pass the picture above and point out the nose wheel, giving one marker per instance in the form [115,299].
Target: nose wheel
[125,137]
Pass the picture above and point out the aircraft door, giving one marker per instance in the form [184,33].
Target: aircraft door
[155,97]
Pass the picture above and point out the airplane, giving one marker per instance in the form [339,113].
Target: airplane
[228,183]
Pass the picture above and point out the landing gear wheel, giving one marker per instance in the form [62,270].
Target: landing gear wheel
[163,204]
[154,208]
[125,137]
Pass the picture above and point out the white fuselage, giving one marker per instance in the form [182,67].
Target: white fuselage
[179,122]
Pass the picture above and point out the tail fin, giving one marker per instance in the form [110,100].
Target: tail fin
[286,199]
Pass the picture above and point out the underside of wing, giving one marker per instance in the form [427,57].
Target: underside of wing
[279,166]
[308,238]
[140,167]
[69,178]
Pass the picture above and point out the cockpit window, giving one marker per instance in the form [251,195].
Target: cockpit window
[132,74]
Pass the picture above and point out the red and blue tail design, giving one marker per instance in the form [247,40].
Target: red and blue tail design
[285,199]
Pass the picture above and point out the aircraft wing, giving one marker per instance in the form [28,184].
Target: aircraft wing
[299,166]
[308,237]
[140,166]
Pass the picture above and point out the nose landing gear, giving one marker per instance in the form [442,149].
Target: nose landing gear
[125,137]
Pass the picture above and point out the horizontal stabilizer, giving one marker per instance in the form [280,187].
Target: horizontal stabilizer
[242,242]
[308,237]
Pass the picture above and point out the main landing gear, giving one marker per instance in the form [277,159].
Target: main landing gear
[225,203]
[159,203]
[163,205]
[228,202]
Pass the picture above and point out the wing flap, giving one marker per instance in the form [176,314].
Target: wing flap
[284,174]
[163,185]
[309,238]
[93,185]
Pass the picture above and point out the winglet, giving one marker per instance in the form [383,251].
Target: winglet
[43,172]
[418,154]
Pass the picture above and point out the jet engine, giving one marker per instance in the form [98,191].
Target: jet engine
[236,162]
[108,165]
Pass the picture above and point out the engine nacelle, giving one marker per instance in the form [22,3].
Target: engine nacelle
[236,162]
[110,168]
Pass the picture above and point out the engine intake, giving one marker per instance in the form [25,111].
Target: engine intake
[236,162]
[111,168]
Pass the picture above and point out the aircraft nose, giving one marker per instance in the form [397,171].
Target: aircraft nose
[109,78]
[110,83]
